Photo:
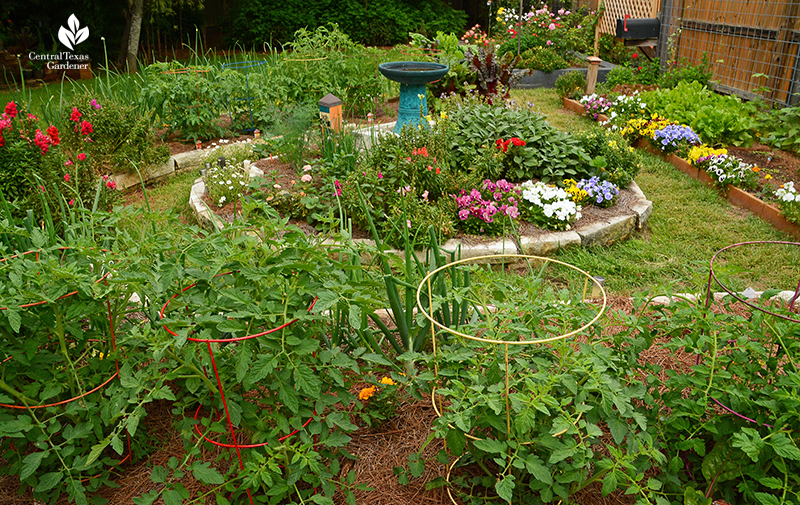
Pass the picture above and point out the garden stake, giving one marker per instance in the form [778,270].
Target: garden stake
[427,313]
[709,296]
[235,444]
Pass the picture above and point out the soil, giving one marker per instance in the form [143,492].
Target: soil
[781,165]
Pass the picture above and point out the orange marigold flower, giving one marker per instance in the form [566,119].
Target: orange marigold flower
[388,381]
[366,393]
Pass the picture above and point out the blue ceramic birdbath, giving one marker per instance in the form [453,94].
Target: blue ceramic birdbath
[412,76]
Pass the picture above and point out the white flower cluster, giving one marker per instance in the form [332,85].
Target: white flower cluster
[226,183]
[625,107]
[233,152]
[728,169]
[554,202]
[787,193]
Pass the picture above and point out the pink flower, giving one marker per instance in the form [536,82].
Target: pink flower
[551,26]
[549,42]
[408,223]
[31,117]
[306,178]
[81,156]
[71,202]
[68,163]
[11,110]
[425,195]
[338,186]
[95,104]
[42,188]
[111,184]
[380,175]
[66,177]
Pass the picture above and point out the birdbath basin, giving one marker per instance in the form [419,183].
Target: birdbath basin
[412,76]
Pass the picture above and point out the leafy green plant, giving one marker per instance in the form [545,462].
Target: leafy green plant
[715,118]
[188,101]
[530,423]
[682,71]
[543,58]
[571,84]
[549,154]
[122,136]
[731,423]
[613,159]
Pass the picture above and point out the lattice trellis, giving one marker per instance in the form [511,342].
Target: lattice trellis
[617,9]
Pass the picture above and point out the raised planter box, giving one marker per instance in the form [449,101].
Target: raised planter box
[539,79]
[736,196]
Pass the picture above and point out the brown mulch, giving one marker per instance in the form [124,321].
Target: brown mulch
[781,165]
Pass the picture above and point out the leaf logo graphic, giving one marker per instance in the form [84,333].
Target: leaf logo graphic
[75,35]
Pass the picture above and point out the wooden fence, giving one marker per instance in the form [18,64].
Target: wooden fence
[751,44]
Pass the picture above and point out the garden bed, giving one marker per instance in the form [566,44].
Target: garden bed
[598,226]
[785,170]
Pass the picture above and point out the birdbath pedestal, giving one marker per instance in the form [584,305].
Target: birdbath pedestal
[412,76]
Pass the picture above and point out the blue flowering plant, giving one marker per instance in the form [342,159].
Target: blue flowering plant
[601,193]
[675,138]
[490,210]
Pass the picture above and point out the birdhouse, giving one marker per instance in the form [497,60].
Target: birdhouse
[330,112]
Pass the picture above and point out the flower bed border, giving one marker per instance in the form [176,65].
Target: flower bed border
[734,195]
[603,232]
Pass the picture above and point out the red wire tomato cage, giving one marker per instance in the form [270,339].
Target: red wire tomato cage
[112,335]
[235,444]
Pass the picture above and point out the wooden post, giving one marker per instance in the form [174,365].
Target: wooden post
[591,76]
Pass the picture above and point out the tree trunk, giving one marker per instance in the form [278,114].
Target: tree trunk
[123,47]
[137,12]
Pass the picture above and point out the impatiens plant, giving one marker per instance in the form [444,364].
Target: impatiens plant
[548,206]
[490,210]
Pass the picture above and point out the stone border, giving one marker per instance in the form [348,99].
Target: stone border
[601,232]
[735,196]
[176,163]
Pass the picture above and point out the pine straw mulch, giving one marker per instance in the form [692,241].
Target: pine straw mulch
[378,450]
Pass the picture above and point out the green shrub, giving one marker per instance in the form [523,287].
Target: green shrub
[378,22]
[571,84]
[122,140]
[612,158]
[682,71]
[545,59]
[549,154]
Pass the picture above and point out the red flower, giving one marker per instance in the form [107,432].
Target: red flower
[52,132]
[76,116]
[42,141]
[2,140]
[81,156]
[517,141]
[86,128]
[640,68]
[66,177]
[635,55]
[11,109]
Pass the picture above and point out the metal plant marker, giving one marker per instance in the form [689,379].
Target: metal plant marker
[413,77]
